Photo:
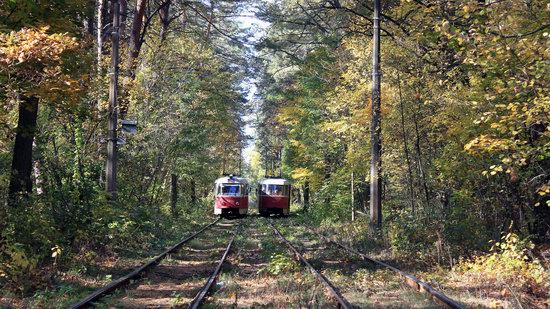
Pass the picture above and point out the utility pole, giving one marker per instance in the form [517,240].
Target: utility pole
[376,144]
[113,93]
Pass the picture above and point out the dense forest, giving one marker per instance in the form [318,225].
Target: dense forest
[465,126]
[464,108]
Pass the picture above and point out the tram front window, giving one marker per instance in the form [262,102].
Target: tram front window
[230,190]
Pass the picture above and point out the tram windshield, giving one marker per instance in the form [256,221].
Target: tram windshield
[274,190]
[229,189]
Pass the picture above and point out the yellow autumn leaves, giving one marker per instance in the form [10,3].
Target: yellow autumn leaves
[32,61]
[33,46]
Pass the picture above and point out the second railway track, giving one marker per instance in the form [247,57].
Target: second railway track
[333,292]
[334,256]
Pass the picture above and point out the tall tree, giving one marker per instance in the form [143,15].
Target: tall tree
[32,59]
[376,127]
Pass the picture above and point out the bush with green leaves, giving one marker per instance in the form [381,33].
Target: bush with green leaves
[278,264]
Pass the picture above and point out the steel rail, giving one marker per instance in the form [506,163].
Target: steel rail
[135,273]
[201,295]
[409,279]
[342,302]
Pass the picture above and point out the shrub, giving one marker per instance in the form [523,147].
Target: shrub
[279,263]
[509,259]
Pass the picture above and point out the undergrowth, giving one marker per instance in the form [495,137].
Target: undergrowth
[511,268]
[34,272]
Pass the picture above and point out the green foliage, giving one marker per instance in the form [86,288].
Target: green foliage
[188,99]
[269,248]
[15,263]
[62,294]
[408,234]
[279,264]
[61,15]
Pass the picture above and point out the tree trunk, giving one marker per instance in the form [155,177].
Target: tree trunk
[352,185]
[306,196]
[134,47]
[193,192]
[135,35]
[99,38]
[327,174]
[210,21]
[90,19]
[122,26]
[38,177]
[406,147]
[164,15]
[21,166]
[376,129]
[112,150]
[174,195]
[420,165]
[365,195]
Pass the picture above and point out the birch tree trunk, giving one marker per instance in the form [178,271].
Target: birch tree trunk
[99,38]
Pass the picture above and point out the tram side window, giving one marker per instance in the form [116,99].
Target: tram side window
[230,190]
[277,190]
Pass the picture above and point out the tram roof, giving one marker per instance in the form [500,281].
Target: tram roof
[231,179]
[274,181]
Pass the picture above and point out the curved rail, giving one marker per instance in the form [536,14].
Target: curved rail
[342,302]
[197,301]
[135,273]
[409,279]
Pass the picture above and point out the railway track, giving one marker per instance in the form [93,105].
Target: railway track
[264,275]
[172,256]
[332,290]
[409,279]
[436,296]
[201,295]
[186,265]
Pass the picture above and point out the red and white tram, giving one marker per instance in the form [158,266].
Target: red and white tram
[231,194]
[274,196]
